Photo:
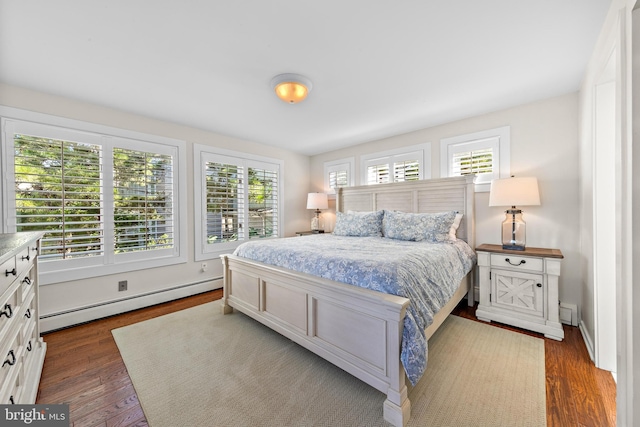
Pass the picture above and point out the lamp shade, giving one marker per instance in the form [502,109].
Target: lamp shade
[514,192]
[317,201]
[291,88]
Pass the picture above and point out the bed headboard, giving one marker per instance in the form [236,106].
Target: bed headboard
[424,196]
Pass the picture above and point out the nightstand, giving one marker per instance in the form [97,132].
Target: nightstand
[520,288]
[309,232]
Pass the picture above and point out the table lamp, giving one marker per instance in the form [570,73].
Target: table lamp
[317,201]
[514,192]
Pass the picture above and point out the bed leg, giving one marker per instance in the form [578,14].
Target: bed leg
[397,414]
[225,308]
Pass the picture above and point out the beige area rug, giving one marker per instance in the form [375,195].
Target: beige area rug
[198,368]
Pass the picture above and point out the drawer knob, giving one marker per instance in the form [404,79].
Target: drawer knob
[28,313]
[8,272]
[11,359]
[522,261]
[29,347]
[26,280]
[539,285]
[13,402]
[26,257]
[7,311]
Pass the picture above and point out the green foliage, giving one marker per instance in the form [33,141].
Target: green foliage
[59,190]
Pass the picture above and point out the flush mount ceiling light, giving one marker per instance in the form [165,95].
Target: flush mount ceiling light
[291,88]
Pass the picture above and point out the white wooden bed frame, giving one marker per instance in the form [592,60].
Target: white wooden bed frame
[356,329]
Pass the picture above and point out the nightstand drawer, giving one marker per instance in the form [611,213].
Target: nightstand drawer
[516,262]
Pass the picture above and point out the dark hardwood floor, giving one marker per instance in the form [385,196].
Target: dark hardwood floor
[84,369]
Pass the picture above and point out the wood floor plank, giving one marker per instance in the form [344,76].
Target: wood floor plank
[131,417]
[83,368]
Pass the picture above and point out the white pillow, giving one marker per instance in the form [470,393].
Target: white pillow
[455,226]
[433,227]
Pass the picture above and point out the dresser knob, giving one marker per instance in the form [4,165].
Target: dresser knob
[539,285]
[521,262]
[26,280]
[12,361]
[8,312]
[8,272]
[26,257]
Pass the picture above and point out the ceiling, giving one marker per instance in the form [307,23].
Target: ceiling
[379,67]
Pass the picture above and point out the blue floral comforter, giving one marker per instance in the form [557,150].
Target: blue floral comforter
[428,274]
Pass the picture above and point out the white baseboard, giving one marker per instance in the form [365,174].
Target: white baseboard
[587,341]
[79,315]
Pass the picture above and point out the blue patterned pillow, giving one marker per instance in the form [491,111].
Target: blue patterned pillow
[432,227]
[360,224]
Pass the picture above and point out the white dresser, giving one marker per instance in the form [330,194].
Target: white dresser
[22,349]
[520,288]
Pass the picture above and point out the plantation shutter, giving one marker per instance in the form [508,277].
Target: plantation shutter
[242,200]
[394,168]
[406,171]
[263,202]
[224,202]
[472,162]
[143,200]
[58,188]
[338,179]
[378,174]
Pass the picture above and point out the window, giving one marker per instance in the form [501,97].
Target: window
[338,173]
[237,198]
[408,164]
[143,202]
[106,202]
[485,154]
[58,189]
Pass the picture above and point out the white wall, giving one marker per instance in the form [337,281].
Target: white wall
[620,30]
[544,144]
[70,296]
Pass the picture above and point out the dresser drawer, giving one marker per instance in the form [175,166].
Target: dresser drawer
[7,276]
[29,309]
[28,283]
[24,260]
[11,357]
[516,262]
[30,340]
[9,307]
[13,388]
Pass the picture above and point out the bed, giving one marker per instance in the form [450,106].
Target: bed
[359,330]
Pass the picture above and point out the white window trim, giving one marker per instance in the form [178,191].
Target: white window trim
[424,156]
[337,165]
[502,158]
[114,264]
[204,251]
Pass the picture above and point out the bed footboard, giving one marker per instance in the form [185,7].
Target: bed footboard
[356,329]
